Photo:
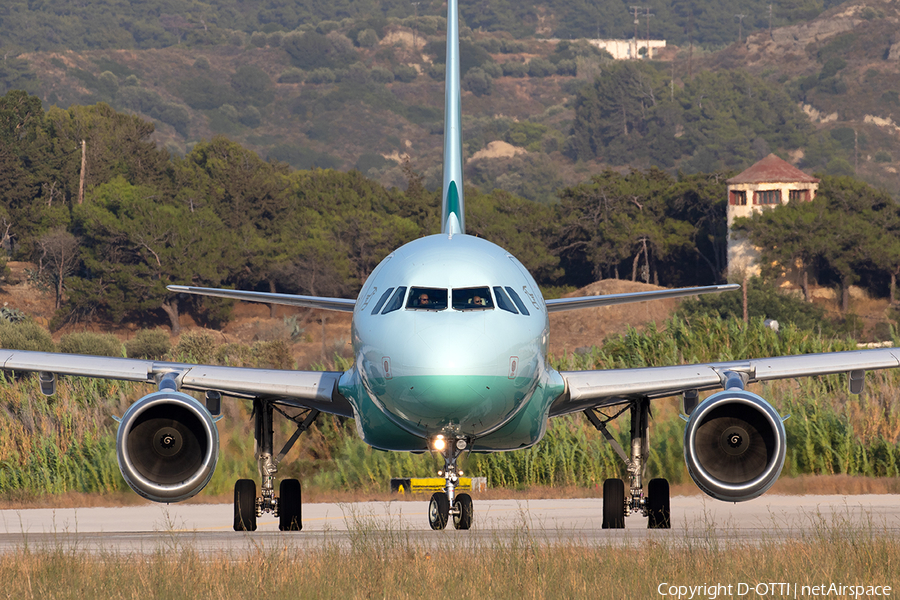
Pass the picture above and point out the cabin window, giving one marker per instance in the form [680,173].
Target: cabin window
[381,301]
[472,299]
[427,299]
[503,301]
[396,301]
[517,300]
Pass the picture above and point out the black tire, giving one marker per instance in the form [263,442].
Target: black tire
[613,504]
[660,517]
[438,511]
[289,505]
[464,512]
[245,505]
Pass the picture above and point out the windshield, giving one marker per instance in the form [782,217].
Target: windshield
[478,298]
[427,299]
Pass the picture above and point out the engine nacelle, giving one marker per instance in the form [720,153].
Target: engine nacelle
[167,446]
[734,445]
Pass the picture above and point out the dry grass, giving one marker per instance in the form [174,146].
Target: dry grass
[376,564]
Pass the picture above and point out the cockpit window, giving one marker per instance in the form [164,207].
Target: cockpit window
[517,300]
[396,301]
[381,301]
[503,302]
[472,299]
[427,299]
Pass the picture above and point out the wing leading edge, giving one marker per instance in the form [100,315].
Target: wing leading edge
[590,389]
[561,304]
[324,303]
[306,389]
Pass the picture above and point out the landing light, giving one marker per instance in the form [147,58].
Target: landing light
[439,443]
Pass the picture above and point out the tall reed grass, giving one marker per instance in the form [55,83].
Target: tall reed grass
[66,443]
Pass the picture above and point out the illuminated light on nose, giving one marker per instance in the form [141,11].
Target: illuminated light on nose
[439,443]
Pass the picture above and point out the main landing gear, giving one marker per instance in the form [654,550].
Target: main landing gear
[287,505]
[616,503]
[447,503]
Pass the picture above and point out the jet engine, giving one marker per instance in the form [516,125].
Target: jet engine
[167,446]
[734,445]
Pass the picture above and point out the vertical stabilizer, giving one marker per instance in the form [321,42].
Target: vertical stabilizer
[453,218]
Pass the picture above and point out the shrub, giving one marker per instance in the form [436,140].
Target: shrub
[492,69]
[382,75]
[567,67]
[275,39]
[234,355]
[405,73]
[251,117]
[94,344]
[883,157]
[195,346]
[324,75]
[258,39]
[148,343]
[25,335]
[367,38]
[291,75]
[540,67]
[201,63]
[478,82]
[514,69]
[272,355]
[436,71]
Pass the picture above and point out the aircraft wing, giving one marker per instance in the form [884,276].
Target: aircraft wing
[561,304]
[338,304]
[591,389]
[301,389]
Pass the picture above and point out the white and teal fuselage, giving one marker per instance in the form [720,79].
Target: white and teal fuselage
[480,374]
[460,370]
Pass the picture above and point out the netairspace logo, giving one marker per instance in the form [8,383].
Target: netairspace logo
[711,591]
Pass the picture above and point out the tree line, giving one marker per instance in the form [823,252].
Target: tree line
[848,235]
[221,216]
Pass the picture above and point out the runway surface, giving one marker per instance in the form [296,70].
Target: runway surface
[208,528]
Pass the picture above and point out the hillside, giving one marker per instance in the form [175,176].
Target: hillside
[375,105]
[844,69]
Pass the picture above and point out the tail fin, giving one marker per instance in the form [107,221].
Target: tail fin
[452,206]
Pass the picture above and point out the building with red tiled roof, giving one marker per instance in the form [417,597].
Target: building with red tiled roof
[767,184]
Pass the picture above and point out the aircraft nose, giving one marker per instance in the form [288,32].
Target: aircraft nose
[460,350]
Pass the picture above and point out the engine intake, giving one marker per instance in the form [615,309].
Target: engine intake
[734,445]
[167,446]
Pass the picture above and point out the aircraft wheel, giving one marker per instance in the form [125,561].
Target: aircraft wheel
[438,511]
[658,502]
[289,506]
[464,512]
[245,505]
[613,504]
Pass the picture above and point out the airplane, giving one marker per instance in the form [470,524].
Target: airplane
[450,338]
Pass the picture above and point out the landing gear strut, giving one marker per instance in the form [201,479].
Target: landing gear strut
[447,503]
[287,505]
[616,503]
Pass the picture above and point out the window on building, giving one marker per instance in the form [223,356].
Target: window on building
[738,198]
[767,197]
[798,195]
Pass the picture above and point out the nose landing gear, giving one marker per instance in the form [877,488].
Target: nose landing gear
[447,503]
